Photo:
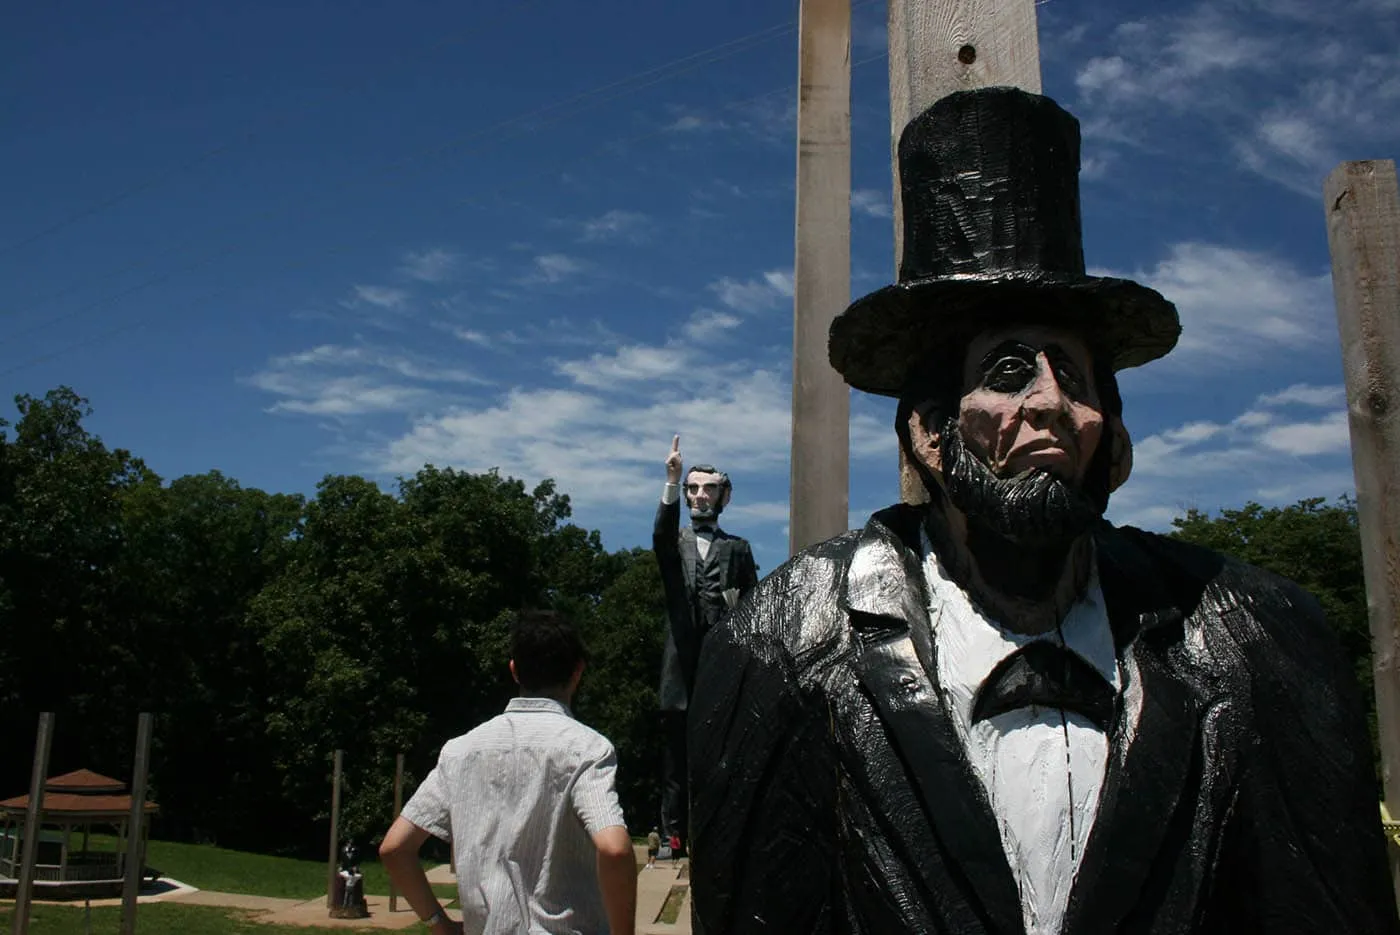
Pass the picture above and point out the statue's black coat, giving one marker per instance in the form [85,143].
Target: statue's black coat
[831,793]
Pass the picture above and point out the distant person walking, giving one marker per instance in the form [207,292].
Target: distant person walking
[653,848]
[529,802]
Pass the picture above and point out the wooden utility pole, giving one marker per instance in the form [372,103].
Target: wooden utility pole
[398,808]
[938,47]
[24,892]
[1362,202]
[136,840]
[335,829]
[821,401]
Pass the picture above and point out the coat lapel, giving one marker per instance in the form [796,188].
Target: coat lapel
[1150,755]
[884,597]
[690,555]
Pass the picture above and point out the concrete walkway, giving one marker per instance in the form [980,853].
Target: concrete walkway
[653,886]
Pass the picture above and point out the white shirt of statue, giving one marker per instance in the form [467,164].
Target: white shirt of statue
[1042,768]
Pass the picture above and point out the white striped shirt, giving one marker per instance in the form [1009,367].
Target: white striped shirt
[519,798]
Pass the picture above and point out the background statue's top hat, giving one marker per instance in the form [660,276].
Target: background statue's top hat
[990,182]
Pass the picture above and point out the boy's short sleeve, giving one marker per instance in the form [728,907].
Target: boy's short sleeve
[430,807]
[595,793]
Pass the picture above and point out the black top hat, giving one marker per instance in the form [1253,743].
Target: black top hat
[990,183]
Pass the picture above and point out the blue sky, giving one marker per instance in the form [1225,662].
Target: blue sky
[285,240]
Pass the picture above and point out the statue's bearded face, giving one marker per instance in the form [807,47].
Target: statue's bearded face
[1029,402]
[1015,455]
[706,494]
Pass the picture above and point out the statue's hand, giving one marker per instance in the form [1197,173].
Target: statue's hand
[673,462]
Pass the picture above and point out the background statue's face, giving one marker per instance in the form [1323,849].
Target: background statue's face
[705,494]
[1029,401]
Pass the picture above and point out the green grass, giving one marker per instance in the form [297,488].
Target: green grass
[206,867]
[155,919]
[671,908]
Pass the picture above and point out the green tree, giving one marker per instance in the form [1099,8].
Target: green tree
[71,640]
[625,632]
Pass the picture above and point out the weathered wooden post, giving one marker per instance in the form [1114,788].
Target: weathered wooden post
[335,829]
[1363,231]
[136,839]
[398,809]
[941,46]
[821,401]
[24,892]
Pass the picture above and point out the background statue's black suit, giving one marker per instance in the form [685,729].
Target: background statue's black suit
[831,792]
[694,604]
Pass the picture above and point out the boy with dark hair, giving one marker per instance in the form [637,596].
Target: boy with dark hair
[524,859]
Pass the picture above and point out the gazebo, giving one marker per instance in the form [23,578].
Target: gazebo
[76,800]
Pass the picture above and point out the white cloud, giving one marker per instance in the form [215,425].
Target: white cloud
[1278,450]
[705,324]
[554,267]
[1325,397]
[694,123]
[615,225]
[383,297]
[632,363]
[872,203]
[1289,88]
[350,380]
[434,265]
[1236,305]
[754,295]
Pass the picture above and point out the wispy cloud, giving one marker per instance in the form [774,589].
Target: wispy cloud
[353,380]
[384,297]
[434,265]
[705,324]
[754,295]
[1289,444]
[1238,305]
[627,364]
[1280,85]
[872,203]
[614,225]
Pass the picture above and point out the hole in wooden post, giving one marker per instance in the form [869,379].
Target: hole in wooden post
[967,54]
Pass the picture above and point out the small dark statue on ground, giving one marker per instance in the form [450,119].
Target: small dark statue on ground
[348,896]
[705,572]
[997,713]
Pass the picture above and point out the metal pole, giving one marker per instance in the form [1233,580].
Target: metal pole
[30,851]
[135,842]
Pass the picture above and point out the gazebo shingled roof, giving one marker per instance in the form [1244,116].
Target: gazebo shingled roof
[80,792]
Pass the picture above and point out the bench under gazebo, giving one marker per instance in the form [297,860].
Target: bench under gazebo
[74,802]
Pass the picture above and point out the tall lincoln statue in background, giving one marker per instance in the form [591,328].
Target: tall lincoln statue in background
[705,571]
[997,713]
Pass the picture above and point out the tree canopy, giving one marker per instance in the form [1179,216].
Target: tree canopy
[265,631]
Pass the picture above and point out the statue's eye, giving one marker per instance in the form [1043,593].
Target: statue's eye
[1009,374]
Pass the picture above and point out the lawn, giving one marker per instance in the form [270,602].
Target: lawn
[154,919]
[207,867]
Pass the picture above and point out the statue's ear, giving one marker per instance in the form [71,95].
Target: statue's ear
[1120,457]
[926,442]
[724,497]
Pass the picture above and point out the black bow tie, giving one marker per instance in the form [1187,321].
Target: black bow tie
[1046,674]
[704,530]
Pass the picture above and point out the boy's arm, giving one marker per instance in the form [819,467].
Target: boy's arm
[399,854]
[617,878]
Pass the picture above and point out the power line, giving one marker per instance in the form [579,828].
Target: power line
[519,123]
[326,251]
